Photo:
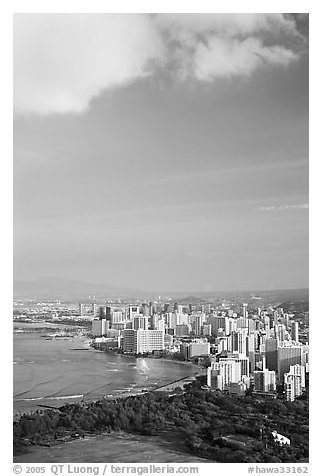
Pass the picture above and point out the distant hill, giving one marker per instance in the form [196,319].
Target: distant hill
[58,288]
[300,306]
[274,298]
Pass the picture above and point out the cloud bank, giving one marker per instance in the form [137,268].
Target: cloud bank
[273,208]
[63,61]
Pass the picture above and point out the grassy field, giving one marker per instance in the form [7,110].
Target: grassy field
[116,448]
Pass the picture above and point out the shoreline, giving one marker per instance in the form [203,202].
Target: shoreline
[84,341]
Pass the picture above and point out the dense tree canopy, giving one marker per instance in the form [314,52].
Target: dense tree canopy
[216,426]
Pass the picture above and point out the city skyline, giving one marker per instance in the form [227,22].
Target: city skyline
[175,157]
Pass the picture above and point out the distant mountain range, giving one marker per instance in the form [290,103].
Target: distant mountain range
[59,288]
[289,299]
[65,289]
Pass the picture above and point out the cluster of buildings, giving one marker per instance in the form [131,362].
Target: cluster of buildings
[257,349]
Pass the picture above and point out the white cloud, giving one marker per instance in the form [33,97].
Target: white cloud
[303,206]
[228,57]
[229,24]
[63,61]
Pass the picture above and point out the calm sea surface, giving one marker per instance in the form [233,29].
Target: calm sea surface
[52,372]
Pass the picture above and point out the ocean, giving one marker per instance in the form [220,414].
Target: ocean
[55,372]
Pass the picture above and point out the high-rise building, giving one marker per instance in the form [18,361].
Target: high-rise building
[221,374]
[232,325]
[197,326]
[280,332]
[206,330]
[182,319]
[133,310]
[295,331]
[140,322]
[145,309]
[222,343]
[271,354]
[237,341]
[266,323]
[243,360]
[292,385]
[242,323]
[172,320]
[264,380]
[288,355]
[197,348]
[108,313]
[81,309]
[118,317]
[100,327]
[300,371]
[140,341]
[95,310]
[182,330]
[160,325]
[151,308]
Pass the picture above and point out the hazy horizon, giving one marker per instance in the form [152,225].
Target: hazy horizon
[58,279]
[162,152]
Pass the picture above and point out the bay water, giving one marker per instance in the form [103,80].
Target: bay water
[55,372]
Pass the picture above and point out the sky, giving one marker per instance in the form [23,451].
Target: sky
[164,152]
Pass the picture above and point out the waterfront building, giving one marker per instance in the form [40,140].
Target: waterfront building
[140,341]
[100,327]
[195,348]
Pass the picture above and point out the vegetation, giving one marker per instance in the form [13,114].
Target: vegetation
[220,427]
